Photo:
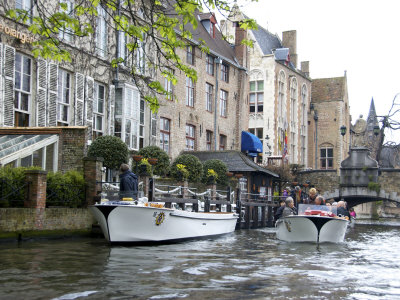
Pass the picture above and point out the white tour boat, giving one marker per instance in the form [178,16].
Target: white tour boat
[128,221]
[314,223]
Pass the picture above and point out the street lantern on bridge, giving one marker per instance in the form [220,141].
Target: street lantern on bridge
[343,130]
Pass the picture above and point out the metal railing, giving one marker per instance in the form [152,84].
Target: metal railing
[13,193]
[66,195]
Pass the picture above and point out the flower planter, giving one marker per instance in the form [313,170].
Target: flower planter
[152,161]
[137,158]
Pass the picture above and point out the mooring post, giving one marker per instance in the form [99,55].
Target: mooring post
[247,217]
[238,209]
[263,219]
[270,216]
[207,205]
[228,199]
[255,217]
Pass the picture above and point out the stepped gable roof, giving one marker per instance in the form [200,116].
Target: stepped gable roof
[328,89]
[267,41]
[236,161]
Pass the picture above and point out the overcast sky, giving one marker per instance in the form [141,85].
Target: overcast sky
[361,37]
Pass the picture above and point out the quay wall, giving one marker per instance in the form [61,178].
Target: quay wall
[21,221]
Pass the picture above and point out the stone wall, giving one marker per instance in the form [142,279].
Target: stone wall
[19,220]
[389,179]
[323,180]
[72,148]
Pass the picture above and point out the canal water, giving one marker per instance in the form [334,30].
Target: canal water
[248,264]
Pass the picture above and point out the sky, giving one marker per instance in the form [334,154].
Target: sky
[361,37]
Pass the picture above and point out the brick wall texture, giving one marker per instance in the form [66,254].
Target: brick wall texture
[27,219]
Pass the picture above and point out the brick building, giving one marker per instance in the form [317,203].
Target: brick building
[203,115]
[211,113]
[279,94]
[329,110]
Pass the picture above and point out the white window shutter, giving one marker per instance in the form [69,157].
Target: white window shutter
[89,91]
[79,98]
[111,110]
[8,68]
[41,98]
[52,96]
[1,85]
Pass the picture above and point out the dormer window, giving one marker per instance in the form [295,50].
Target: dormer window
[209,21]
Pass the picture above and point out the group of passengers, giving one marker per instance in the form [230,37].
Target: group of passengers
[291,199]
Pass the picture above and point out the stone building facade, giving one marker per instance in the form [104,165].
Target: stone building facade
[87,91]
[279,94]
[329,111]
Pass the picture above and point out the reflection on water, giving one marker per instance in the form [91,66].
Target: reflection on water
[243,265]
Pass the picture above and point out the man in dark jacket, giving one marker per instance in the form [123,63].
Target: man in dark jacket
[128,183]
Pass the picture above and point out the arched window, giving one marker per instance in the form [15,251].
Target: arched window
[303,124]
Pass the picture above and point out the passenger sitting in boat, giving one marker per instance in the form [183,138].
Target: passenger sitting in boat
[341,210]
[312,195]
[280,209]
[319,201]
[289,209]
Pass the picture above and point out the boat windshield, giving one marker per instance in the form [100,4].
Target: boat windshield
[321,210]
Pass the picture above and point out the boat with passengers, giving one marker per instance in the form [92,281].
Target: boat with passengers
[313,223]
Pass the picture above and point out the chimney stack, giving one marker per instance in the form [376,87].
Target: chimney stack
[305,68]
[240,50]
[289,40]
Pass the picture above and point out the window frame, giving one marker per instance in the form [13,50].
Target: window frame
[256,97]
[222,142]
[165,133]
[325,160]
[96,112]
[210,64]
[223,108]
[101,32]
[209,97]
[225,72]
[19,108]
[190,89]
[190,132]
[209,139]
[190,54]
[61,95]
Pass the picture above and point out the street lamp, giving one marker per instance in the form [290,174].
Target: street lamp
[343,130]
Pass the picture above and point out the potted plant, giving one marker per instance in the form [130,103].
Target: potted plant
[183,173]
[144,167]
[211,176]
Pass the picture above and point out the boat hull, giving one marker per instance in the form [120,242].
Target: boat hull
[130,223]
[315,229]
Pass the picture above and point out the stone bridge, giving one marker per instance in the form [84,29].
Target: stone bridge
[360,180]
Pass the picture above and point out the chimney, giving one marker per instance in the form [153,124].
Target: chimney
[305,68]
[240,50]
[289,40]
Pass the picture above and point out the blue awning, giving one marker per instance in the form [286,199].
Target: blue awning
[251,144]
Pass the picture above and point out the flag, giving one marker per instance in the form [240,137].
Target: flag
[285,146]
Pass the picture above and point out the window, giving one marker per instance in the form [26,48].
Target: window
[64,96]
[165,128]
[225,73]
[223,103]
[281,96]
[293,144]
[293,101]
[189,55]
[140,55]
[122,53]
[190,137]
[169,87]
[222,142]
[303,123]
[66,34]
[22,89]
[256,96]
[189,92]
[209,97]
[98,110]
[101,31]
[25,5]
[326,158]
[209,135]
[127,115]
[210,65]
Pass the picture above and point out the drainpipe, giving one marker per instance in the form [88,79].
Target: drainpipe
[316,139]
[217,63]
